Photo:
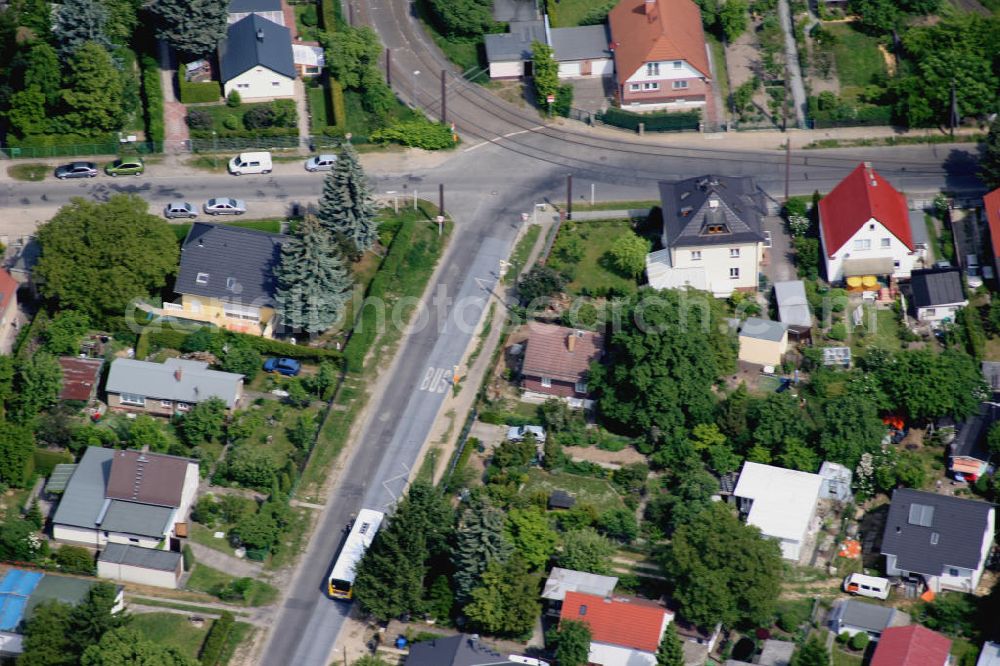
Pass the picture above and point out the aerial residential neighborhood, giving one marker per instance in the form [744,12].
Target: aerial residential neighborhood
[500,332]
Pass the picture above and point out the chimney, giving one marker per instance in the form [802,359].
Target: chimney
[260,34]
[177,374]
[870,174]
[649,7]
[571,342]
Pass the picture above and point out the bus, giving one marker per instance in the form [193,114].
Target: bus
[361,536]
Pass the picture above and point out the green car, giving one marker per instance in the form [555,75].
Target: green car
[125,167]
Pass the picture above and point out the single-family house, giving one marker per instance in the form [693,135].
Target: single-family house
[991,207]
[712,235]
[661,58]
[8,307]
[913,645]
[762,342]
[126,496]
[781,502]
[168,388]
[836,481]
[268,9]
[255,59]
[580,52]
[854,617]
[22,591]
[458,650]
[793,308]
[936,294]
[561,581]
[990,654]
[226,278]
[968,456]
[623,630]
[145,566]
[939,539]
[80,377]
[557,361]
[865,229]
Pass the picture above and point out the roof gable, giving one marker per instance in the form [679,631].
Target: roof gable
[229,263]
[862,196]
[623,621]
[253,41]
[911,646]
[711,210]
[672,31]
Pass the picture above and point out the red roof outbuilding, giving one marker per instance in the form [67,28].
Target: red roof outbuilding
[8,289]
[627,622]
[913,645]
[862,196]
[991,203]
[80,377]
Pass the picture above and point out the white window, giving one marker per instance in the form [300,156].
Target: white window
[652,69]
[734,273]
[275,83]
[679,85]
[650,86]
[929,312]
[546,382]
[885,242]
[695,255]
[895,264]
[953,572]
[183,407]
[243,85]
[581,387]
[678,64]
[133,399]
[202,278]
[195,305]
[862,244]
[237,311]
[635,86]
[166,403]
[734,253]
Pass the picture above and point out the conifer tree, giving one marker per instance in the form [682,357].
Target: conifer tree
[346,209]
[670,652]
[313,285]
[479,540]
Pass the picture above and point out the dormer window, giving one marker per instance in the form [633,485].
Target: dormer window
[231,284]
[714,229]
[202,278]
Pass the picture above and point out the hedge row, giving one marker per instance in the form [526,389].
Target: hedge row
[174,339]
[61,140]
[335,93]
[328,15]
[662,121]
[193,93]
[245,133]
[215,642]
[45,460]
[153,93]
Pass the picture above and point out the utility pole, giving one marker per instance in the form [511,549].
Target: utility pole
[569,196]
[388,67]
[441,199]
[788,164]
[953,119]
[444,99]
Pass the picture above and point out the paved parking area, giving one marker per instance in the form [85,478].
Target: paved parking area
[780,262]
[592,94]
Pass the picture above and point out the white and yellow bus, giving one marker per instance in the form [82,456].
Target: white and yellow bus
[361,536]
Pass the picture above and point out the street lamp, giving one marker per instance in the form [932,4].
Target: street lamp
[215,148]
[416,73]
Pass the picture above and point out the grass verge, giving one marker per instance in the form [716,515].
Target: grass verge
[615,205]
[211,581]
[31,172]
[239,634]
[721,73]
[172,630]
[521,252]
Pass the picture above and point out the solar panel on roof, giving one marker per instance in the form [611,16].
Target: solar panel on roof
[921,514]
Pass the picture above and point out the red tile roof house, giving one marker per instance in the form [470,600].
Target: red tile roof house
[8,310]
[865,229]
[991,205]
[557,360]
[623,630]
[661,60]
[913,645]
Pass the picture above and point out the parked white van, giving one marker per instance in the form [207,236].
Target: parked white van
[867,586]
[250,163]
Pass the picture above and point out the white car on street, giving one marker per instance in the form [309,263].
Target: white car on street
[225,206]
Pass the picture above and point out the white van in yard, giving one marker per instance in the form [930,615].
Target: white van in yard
[250,163]
[867,586]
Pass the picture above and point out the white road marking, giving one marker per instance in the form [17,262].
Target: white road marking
[436,380]
[505,136]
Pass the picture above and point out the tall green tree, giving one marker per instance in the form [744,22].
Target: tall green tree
[97,257]
[62,335]
[545,73]
[734,17]
[93,618]
[586,550]
[671,650]
[193,28]
[532,536]
[47,641]
[989,166]
[467,18]
[127,646]
[723,570]
[628,253]
[777,418]
[94,94]
[37,384]
[27,111]
[351,53]
[17,446]
[479,540]
[313,286]
[850,427]
[663,362]
[682,499]
[506,602]
[77,22]
[345,207]
[204,422]
[122,19]
[926,385]
[573,643]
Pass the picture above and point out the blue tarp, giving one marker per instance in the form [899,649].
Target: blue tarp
[15,588]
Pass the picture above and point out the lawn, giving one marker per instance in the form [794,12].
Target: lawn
[205,536]
[569,13]
[886,331]
[272,435]
[219,113]
[858,59]
[721,75]
[591,273]
[208,580]
[173,630]
[841,658]
[318,111]
[32,172]
[597,492]
[271,225]
[307,33]
[521,252]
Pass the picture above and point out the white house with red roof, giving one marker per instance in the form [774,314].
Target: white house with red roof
[660,54]
[912,645]
[624,631]
[865,229]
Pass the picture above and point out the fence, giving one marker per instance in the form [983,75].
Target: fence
[82,149]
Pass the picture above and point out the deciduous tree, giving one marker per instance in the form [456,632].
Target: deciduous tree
[812,653]
[573,643]
[63,334]
[204,422]
[463,17]
[545,73]
[586,550]
[27,111]
[37,384]
[532,536]
[127,646]
[312,284]
[506,602]
[989,171]
[628,253]
[47,641]
[345,207]
[193,27]
[734,18]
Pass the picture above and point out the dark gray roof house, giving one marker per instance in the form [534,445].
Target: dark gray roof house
[934,287]
[460,650]
[145,558]
[254,41]
[931,535]
[855,616]
[515,45]
[229,263]
[711,210]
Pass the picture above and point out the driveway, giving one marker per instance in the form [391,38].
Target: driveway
[592,94]
[780,262]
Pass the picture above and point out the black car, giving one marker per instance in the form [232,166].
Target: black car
[77,170]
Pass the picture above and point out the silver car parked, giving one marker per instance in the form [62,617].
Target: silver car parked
[225,206]
[180,209]
[320,163]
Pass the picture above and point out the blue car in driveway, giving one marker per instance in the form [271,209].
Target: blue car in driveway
[283,366]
